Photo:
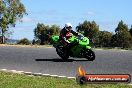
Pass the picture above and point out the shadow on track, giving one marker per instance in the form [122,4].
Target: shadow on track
[59,60]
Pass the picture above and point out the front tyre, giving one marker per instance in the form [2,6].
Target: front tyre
[89,54]
[62,54]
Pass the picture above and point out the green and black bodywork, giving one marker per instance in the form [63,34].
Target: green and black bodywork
[81,50]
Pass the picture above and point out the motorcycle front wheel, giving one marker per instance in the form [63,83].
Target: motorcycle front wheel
[89,54]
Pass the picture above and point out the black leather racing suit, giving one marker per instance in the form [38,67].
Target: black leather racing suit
[64,37]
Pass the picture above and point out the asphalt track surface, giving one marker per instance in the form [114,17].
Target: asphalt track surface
[46,61]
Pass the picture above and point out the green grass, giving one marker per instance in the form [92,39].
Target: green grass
[12,80]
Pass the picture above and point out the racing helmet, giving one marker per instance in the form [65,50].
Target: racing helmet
[68,26]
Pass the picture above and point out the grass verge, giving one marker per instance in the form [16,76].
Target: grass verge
[13,80]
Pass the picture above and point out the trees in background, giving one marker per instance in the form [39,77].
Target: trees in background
[122,37]
[13,10]
[24,41]
[103,39]
[44,32]
[41,32]
[88,29]
[10,12]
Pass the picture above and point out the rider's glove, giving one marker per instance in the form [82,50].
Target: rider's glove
[66,40]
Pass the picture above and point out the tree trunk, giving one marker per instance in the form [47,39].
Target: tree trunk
[3,38]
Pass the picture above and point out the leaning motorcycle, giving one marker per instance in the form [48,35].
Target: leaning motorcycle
[81,49]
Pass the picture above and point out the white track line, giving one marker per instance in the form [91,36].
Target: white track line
[28,73]
[13,70]
[4,69]
[45,74]
[71,77]
[54,75]
[37,74]
[20,71]
[62,76]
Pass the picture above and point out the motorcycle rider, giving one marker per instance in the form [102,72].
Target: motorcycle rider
[65,34]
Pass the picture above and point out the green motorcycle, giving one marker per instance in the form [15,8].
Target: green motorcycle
[81,49]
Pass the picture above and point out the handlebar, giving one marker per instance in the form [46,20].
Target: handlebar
[80,37]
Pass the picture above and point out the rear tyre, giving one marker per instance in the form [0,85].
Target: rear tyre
[61,52]
[89,54]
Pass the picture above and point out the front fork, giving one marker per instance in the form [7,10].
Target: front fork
[83,50]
